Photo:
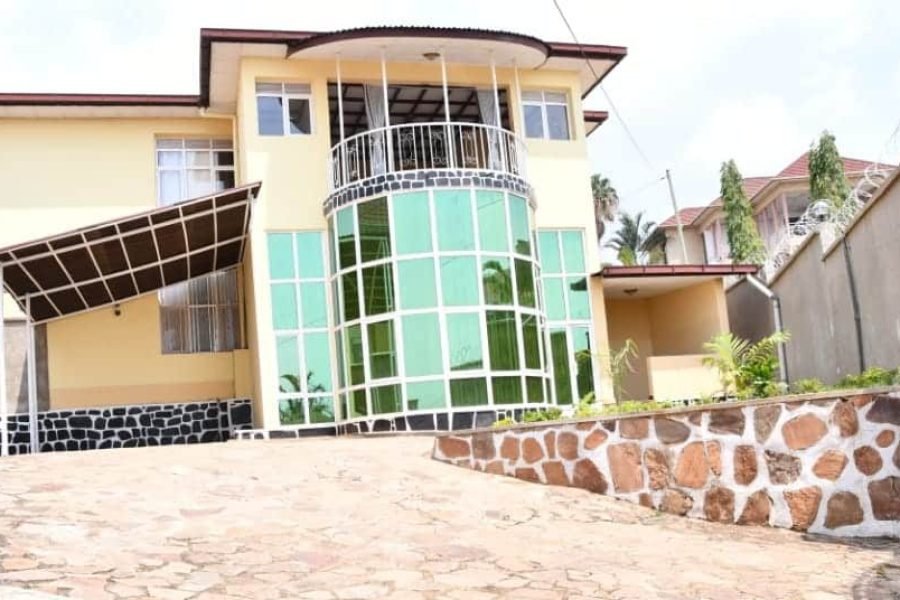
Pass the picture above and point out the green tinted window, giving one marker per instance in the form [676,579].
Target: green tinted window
[573,251]
[497,280]
[584,361]
[554,302]
[459,280]
[382,350]
[386,399]
[281,256]
[503,344]
[549,251]
[321,410]
[350,287]
[416,283]
[378,290]
[290,411]
[353,349]
[507,390]
[374,233]
[464,336]
[534,389]
[412,229]
[492,221]
[288,358]
[422,395]
[525,283]
[310,262]
[579,303]
[313,304]
[531,341]
[468,392]
[518,217]
[561,373]
[358,403]
[453,211]
[318,362]
[346,238]
[332,250]
[422,345]
[284,306]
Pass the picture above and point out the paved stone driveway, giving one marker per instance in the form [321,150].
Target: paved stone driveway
[372,518]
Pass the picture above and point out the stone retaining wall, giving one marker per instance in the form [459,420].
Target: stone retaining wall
[823,463]
[131,426]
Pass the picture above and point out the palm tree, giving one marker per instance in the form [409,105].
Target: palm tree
[606,202]
[637,242]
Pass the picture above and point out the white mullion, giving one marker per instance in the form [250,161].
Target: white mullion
[482,300]
[360,299]
[399,348]
[439,290]
[301,347]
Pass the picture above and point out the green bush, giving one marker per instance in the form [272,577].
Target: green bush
[532,416]
[871,377]
[808,386]
[504,422]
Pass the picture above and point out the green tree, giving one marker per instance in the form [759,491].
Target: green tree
[606,202]
[637,241]
[826,173]
[743,237]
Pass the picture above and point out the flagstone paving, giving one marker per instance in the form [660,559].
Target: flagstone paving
[376,518]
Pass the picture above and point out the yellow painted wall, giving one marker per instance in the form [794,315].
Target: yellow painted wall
[674,324]
[59,174]
[684,319]
[605,392]
[631,319]
[681,377]
[100,359]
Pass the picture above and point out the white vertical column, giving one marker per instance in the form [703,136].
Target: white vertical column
[32,379]
[451,154]
[4,414]
[496,92]
[342,155]
[501,141]
[387,115]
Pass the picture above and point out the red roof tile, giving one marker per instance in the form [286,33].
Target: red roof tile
[800,167]
[688,215]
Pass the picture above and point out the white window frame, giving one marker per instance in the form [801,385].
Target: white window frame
[543,103]
[191,345]
[289,91]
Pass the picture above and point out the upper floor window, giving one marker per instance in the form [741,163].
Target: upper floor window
[546,115]
[188,168]
[284,108]
[201,315]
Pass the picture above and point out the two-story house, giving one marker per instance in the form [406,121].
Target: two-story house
[778,202]
[386,228]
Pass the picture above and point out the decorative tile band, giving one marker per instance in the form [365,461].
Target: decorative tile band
[406,181]
[825,464]
[132,426]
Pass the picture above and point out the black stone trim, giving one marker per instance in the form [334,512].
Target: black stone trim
[405,181]
[132,426]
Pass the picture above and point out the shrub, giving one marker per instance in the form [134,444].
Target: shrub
[871,377]
[532,416]
[808,386]
[504,422]
[746,369]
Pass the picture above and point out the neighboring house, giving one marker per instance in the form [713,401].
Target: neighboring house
[373,229]
[778,203]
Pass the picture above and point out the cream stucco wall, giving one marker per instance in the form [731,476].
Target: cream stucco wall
[60,174]
[676,323]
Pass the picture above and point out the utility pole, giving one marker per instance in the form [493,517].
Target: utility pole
[684,254]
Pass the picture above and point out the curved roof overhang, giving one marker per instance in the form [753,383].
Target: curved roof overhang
[114,261]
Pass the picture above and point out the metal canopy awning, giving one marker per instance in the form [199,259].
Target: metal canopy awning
[111,262]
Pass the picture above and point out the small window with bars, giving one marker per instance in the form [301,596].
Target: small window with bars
[284,108]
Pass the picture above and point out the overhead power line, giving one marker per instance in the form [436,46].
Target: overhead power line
[612,105]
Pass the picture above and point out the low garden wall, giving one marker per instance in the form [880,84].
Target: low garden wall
[823,463]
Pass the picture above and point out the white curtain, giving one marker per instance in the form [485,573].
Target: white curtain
[375,114]
[489,116]
[201,315]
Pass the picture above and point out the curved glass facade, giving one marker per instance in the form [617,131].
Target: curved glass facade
[436,304]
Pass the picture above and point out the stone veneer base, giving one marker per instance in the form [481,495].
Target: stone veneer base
[132,426]
[824,463]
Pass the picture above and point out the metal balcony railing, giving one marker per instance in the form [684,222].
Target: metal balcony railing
[426,146]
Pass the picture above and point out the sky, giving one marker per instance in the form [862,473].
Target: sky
[704,80]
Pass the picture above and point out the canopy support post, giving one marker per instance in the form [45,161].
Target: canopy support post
[388,137]
[451,153]
[32,379]
[4,409]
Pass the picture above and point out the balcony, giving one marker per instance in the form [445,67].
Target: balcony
[441,146]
